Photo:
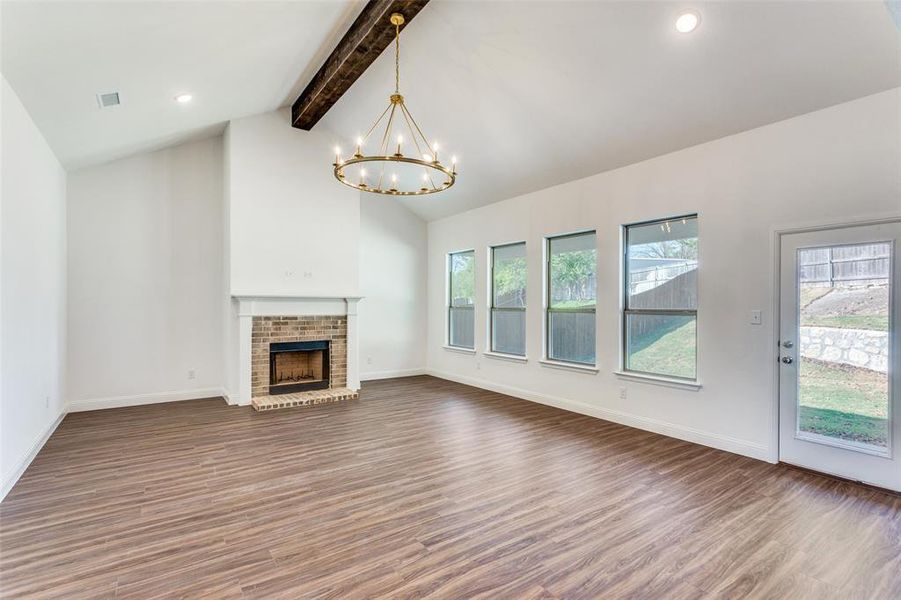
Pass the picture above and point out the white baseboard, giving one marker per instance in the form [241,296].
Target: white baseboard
[705,438]
[32,452]
[139,399]
[374,375]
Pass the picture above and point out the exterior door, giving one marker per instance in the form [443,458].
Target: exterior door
[840,361]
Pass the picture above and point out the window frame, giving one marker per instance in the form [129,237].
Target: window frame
[547,302]
[449,299]
[492,307]
[625,310]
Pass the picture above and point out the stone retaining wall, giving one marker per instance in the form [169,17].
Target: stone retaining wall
[855,347]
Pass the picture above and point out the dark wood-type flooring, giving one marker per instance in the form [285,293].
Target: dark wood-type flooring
[426,488]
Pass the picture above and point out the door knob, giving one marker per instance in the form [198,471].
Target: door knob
[787,360]
[787,344]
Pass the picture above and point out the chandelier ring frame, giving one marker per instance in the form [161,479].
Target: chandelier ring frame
[435,166]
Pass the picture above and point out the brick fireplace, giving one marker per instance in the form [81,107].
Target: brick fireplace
[297,351]
[298,342]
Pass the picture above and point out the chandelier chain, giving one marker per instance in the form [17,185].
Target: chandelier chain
[397,59]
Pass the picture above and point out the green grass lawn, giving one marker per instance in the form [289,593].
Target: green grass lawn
[843,402]
[874,322]
[666,352]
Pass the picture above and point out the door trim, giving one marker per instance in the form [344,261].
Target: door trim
[777,232]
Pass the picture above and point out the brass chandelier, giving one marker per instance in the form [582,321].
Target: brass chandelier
[394,173]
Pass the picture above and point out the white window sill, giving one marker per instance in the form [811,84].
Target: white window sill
[508,357]
[659,380]
[556,364]
[459,349]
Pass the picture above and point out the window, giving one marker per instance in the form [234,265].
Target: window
[508,299]
[571,298]
[461,299]
[661,298]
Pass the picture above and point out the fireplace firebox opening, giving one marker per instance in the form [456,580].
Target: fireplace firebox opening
[298,366]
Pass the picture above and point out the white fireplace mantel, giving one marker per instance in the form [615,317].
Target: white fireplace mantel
[294,306]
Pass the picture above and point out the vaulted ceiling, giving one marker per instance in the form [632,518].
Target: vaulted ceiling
[235,58]
[527,94]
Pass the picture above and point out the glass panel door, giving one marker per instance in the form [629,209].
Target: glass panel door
[838,351]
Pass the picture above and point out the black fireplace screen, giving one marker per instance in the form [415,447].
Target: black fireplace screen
[298,366]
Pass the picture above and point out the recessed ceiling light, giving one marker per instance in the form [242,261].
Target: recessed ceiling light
[183,98]
[688,22]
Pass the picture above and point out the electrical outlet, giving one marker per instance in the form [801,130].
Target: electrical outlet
[478,366]
[756,317]
[623,393]
[368,360]
[192,374]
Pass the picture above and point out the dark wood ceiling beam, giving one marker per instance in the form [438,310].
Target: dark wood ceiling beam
[367,37]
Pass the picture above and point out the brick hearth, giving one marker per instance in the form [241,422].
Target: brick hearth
[303,398]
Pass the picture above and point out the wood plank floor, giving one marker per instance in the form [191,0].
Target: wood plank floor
[426,488]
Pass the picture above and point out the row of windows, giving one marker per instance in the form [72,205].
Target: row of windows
[660,291]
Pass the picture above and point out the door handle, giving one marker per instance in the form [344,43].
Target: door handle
[788,360]
[787,344]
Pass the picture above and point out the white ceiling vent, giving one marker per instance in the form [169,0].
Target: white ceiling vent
[107,100]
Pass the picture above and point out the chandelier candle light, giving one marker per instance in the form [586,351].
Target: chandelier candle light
[389,171]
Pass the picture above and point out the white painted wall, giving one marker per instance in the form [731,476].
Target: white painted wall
[835,165]
[294,229]
[32,289]
[230,323]
[147,295]
[393,261]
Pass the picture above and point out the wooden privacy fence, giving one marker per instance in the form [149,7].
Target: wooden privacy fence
[642,280]
[860,264]
[462,326]
[571,336]
[508,333]
[679,292]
